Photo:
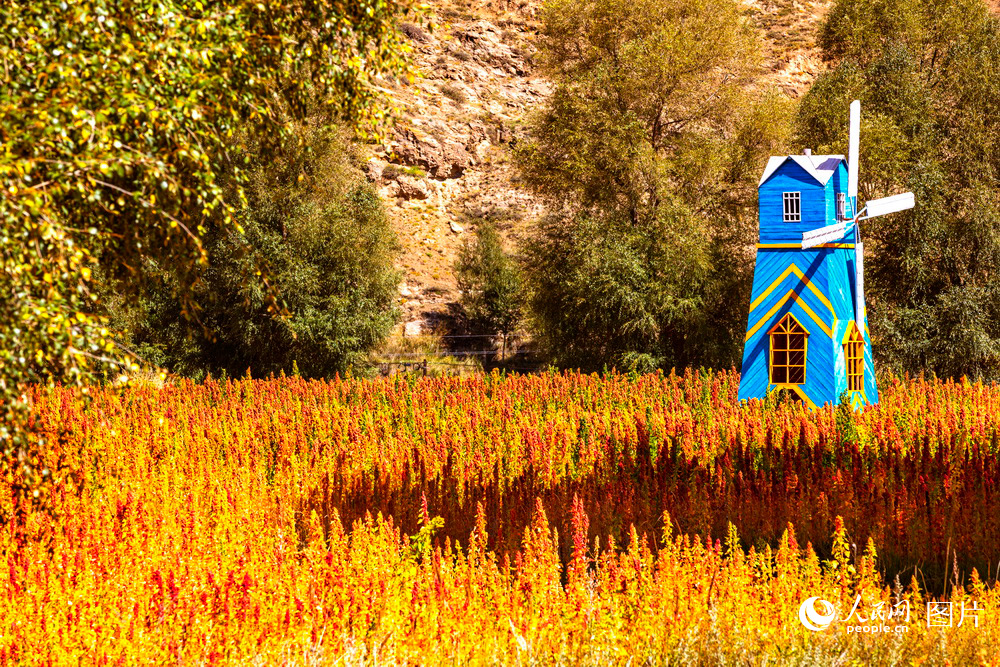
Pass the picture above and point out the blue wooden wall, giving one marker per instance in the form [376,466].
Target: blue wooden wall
[790,177]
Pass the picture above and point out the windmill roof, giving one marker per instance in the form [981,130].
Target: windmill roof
[820,167]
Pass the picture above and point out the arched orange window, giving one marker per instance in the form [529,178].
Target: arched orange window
[854,352]
[788,351]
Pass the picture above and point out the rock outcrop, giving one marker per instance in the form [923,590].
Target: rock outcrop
[446,162]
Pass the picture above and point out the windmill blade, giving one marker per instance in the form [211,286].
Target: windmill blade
[886,205]
[852,151]
[827,234]
[859,285]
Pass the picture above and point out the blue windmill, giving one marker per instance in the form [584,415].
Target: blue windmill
[807,331]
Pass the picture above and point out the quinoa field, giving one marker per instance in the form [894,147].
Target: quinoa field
[539,519]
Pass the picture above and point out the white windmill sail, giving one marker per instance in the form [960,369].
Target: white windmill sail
[876,207]
[854,140]
[827,234]
[853,148]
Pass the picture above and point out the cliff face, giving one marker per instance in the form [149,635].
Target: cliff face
[446,165]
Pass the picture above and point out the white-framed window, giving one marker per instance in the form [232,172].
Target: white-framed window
[793,206]
[841,206]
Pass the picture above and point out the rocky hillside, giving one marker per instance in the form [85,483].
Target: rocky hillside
[446,164]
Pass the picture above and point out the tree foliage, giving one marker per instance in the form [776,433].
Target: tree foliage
[648,151]
[491,286]
[117,121]
[928,77]
[316,229]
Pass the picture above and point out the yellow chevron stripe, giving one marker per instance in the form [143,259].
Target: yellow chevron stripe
[798,246]
[798,391]
[794,296]
[801,276]
[847,332]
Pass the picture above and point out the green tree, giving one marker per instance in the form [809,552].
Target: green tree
[648,151]
[928,77]
[317,230]
[490,282]
[117,124]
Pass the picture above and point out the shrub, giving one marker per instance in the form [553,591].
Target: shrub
[316,232]
[490,283]
[414,32]
[392,171]
[454,92]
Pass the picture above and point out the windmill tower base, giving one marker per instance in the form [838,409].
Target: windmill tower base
[802,334]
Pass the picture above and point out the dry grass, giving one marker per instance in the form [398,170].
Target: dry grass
[454,92]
